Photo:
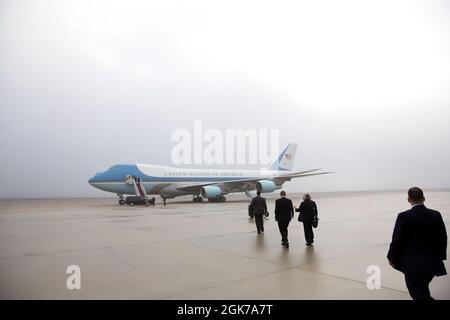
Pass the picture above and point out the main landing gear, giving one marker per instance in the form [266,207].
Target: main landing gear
[197,198]
[220,199]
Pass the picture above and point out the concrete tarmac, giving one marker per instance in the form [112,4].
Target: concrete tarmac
[203,250]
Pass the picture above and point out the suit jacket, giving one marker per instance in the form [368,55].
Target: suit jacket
[307,209]
[419,242]
[284,210]
[258,205]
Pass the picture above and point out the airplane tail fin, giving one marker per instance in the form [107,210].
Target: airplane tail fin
[285,160]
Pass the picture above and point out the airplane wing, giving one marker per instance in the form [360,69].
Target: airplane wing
[288,177]
[232,185]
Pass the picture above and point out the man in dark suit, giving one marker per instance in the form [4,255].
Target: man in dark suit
[259,209]
[308,210]
[419,246]
[284,212]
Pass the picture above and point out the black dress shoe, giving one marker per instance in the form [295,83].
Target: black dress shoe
[309,244]
[287,245]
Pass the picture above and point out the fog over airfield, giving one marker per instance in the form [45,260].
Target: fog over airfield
[363,87]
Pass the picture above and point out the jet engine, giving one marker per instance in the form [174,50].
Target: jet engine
[266,186]
[211,192]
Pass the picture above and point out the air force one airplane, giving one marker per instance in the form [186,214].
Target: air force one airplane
[168,182]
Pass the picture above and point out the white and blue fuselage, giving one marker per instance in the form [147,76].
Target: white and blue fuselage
[170,182]
[167,181]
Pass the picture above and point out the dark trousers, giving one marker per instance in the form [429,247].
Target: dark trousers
[418,287]
[259,222]
[283,226]
[309,234]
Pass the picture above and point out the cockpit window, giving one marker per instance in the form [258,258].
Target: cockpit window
[114,167]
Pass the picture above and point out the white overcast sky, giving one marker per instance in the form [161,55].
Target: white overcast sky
[363,87]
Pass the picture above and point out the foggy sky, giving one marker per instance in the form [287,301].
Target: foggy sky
[361,86]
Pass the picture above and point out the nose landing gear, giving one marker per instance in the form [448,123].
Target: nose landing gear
[121,199]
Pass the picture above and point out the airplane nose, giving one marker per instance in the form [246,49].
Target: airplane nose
[98,177]
[93,180]
[101,176]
